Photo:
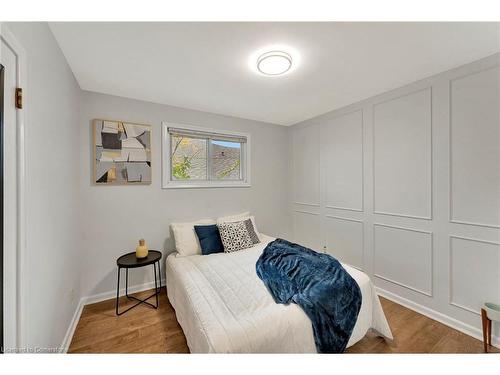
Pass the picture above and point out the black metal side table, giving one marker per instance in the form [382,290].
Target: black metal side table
[128,261]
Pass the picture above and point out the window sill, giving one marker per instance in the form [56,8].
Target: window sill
[206,185]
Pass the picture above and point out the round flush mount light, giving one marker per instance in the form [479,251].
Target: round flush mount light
[274,63]
[274,60]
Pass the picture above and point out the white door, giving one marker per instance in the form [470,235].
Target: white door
[9,59]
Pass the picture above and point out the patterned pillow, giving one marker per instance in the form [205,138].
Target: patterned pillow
[237,236]
[251,231]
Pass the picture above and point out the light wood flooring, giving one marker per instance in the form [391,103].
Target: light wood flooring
[145,330]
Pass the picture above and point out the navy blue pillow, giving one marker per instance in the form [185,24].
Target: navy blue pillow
[209,238]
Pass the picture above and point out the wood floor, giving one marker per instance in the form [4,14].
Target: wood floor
[145,330]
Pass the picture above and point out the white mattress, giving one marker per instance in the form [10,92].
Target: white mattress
[223,306]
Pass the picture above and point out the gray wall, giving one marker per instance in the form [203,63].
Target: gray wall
[75,230]
[53,186]
[115,217]
[405,186]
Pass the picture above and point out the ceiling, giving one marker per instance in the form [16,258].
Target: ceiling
[205,66]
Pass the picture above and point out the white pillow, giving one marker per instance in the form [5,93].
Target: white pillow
[186,241]
[239,217]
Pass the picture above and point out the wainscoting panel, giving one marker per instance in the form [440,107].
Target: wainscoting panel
[474,273]
[474,148]
[306,228]
[305,160]
[402,160]
[403,256]
[409,190]
[342,149]
[344,240]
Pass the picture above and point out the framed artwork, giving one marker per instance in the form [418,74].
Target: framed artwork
[122,153]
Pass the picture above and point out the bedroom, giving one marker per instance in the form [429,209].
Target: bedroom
[206,187]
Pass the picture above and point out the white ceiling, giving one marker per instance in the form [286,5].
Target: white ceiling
[204,66]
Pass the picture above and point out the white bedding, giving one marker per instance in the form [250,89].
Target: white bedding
[223,306]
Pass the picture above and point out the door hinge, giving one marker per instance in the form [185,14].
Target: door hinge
[19,98]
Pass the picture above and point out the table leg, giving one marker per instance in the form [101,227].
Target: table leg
[126,282]
[159,274]
[156,285]
[484,319]
[118,292]
[489,332]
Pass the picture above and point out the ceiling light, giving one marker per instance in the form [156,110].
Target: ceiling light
[274,63]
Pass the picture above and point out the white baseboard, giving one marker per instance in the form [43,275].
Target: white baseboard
[112,293]
[72,327]
[435,315]
[98,298]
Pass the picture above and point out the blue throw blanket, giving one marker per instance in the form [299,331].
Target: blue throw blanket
[316,282]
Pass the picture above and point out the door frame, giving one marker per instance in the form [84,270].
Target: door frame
[21,265]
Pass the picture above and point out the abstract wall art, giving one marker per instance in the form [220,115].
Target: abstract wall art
[122,153]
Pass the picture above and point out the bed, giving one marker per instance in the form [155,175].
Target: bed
[223,306]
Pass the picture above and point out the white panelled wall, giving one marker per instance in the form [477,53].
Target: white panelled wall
[406,187]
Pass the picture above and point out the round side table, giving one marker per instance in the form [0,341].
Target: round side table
[128,261]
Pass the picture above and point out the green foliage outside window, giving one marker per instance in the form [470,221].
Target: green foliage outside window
[180,169]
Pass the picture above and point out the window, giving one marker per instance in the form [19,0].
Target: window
[198,157]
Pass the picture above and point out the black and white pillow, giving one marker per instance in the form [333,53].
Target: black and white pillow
[237,235]
[251,231]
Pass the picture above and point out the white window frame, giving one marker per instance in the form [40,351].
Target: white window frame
[168,183]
